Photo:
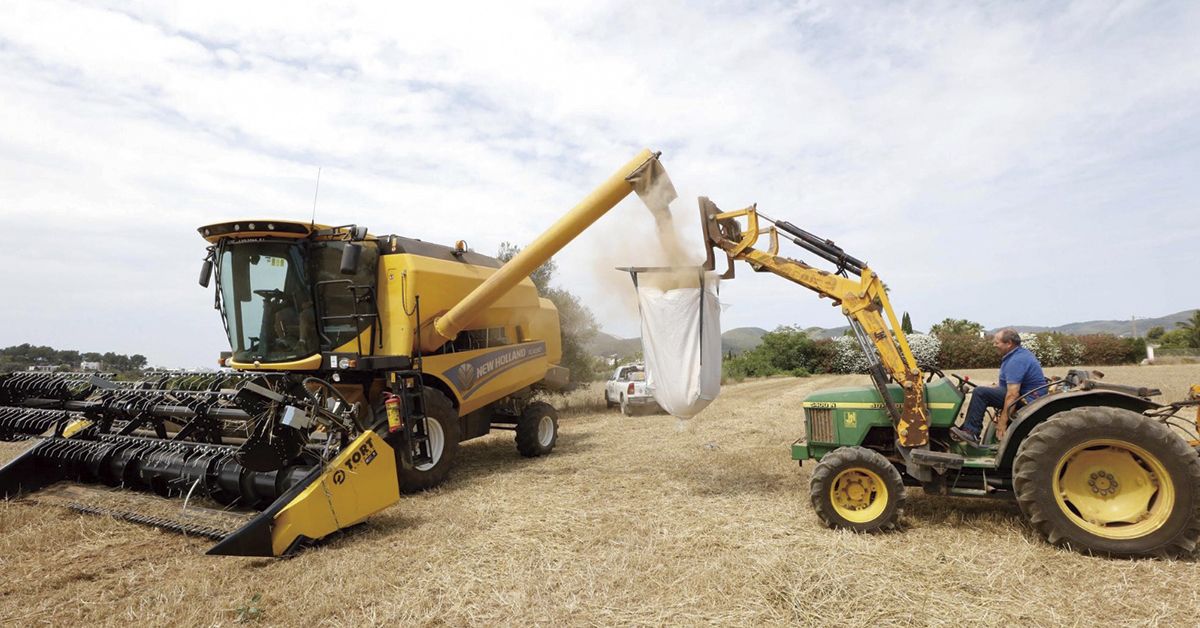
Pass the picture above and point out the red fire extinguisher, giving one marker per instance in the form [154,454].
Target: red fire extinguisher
[391,404]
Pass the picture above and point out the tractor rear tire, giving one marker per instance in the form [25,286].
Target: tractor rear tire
[1110,481]
[442,425]
[537,430]
[856,488]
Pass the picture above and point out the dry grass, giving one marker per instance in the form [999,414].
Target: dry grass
[631,522]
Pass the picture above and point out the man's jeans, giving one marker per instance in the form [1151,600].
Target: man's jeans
[982,398]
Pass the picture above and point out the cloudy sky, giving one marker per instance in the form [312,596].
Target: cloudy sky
[1028,163]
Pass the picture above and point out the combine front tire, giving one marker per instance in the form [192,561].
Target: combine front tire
[857,489]
[1110,481]
[537,430]
[441,424]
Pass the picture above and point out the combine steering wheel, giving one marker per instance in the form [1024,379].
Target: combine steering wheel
[273,296]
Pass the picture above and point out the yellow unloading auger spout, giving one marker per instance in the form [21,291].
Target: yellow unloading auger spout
[285,449]
[643,174]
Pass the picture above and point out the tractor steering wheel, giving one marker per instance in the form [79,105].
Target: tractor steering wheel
[933,370]
[963,383]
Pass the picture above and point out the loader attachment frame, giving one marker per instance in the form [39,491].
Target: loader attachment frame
[864,303]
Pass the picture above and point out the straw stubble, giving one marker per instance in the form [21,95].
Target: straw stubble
[628,522]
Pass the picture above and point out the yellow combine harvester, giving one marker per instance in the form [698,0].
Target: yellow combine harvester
[361,361]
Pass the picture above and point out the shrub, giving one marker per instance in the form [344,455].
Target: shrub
[956,326]
[849,356]
[785,350]
[1135,349]
[1109,349]
[1047,350]
[748,364]
[966,351]
[925,348]
[1069,346]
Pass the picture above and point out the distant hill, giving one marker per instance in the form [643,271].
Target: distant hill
[607,344]
[743,339]
[735,340]
[1116,328]
[826,332]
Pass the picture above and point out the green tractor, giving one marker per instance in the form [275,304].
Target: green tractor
[1097,467]
[1093,466]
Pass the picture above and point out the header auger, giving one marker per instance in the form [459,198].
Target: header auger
[360,362]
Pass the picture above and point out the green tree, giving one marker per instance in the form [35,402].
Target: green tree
[21,357]
[577,324]
[1191,329]
[906,324]
[955,326]
[1155,333]
[786,350]
[1174,339]
[540,276]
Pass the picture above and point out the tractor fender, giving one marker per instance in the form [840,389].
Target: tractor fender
[1039,411]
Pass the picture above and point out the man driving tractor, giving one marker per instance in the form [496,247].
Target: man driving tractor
[1020,372]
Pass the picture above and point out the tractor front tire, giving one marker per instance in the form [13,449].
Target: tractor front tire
[442,426]
[1110,481]
[537,430]
[856,488]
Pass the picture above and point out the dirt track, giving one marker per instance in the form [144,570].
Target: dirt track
[630,521]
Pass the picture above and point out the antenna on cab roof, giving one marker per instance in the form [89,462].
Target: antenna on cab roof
[313,223]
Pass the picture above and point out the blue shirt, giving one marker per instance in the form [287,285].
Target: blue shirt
[1019,366]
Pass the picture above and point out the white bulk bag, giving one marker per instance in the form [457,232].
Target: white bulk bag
[681,343]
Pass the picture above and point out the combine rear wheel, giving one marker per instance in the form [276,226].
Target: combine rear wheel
[537,430]
[857,489]
[1110,481]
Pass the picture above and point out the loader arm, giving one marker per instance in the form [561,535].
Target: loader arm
[864,302]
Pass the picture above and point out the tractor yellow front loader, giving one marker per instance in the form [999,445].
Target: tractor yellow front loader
[1094,466]
[359,362]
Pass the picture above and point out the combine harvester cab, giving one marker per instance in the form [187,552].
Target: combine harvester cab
[359,363]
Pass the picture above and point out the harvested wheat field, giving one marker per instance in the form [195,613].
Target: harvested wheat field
[632,521]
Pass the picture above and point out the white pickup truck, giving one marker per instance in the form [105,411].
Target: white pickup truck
[629,389]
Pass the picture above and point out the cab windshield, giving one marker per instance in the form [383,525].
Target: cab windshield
[266,301]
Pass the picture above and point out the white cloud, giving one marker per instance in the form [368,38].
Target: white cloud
[959,149]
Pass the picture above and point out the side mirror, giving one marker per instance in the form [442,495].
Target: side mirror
[206,272]
[350,255]
[358,234]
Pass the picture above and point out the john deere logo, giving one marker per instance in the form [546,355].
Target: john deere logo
[466,375]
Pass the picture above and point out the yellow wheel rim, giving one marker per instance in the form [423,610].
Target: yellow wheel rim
[1114,489]
[858,495]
